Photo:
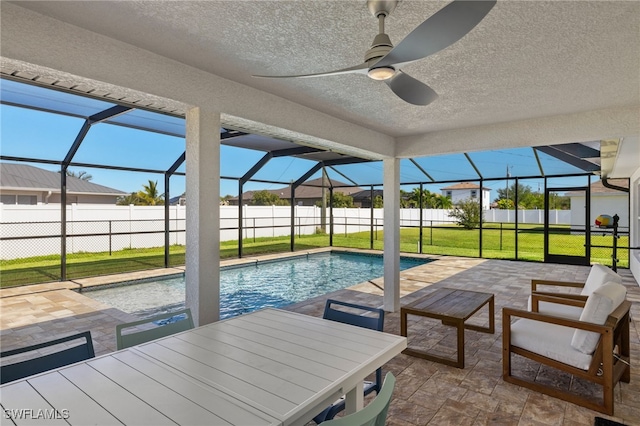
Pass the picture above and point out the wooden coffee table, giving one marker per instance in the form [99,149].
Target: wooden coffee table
[453,307]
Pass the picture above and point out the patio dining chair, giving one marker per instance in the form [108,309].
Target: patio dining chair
[49,361]
[375,413]
[361,316]
[153,328]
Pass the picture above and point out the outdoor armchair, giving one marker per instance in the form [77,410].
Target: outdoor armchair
[67,355]
[547,302]
[362,316]
[153,328]
[375,413]
[594,347]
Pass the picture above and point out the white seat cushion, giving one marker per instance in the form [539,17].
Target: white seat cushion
[550,340]
[599,305]
[598,276]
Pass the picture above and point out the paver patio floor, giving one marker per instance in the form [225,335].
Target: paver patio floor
[427,393]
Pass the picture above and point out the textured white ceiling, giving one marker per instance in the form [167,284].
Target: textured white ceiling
[525,60]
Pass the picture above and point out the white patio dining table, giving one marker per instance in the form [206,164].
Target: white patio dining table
[269,367]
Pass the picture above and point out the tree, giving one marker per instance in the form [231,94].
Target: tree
[467,213]
[430,200]
[266,198]
[524,193]
[505,204]
[128,200]
[527,199]
[442,202]
[339,200]
[224,201]
[378,202]
[82,175]
[149,195]
[405,199]
[342,200]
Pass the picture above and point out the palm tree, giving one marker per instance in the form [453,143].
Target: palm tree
[128,200]
[430,200]
[150,196]
[426,198]
[442,202]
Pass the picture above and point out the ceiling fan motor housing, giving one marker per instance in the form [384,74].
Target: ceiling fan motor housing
[381,46]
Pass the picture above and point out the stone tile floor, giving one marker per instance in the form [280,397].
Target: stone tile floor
[427,393]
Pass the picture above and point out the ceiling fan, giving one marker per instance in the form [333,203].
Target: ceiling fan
[383,61]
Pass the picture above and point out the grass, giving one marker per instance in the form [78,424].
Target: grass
[497,243]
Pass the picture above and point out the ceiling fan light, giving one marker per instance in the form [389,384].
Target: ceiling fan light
[382,73]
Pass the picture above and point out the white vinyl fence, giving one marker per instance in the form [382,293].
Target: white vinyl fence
[101,228]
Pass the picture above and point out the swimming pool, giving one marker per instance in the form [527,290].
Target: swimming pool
[259,285]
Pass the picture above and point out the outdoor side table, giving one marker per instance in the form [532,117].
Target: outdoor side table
[453,307]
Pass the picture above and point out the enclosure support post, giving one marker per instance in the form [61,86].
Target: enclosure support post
[203,215]
[420,227]
[587,218]
[391,234]
[481,216]
[167,196]
[86,126]
[293,219]
[516,218]
[240,219]
[63,223]
[331,217]
[323,204]
[371,227]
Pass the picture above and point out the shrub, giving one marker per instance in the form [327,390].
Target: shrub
[467,213]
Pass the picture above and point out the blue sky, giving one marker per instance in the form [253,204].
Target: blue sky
[36,134]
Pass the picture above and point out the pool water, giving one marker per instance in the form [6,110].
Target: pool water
[259,285]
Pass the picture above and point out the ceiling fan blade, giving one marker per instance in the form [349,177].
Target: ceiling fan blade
[441,30]
[411,90]
[361,69]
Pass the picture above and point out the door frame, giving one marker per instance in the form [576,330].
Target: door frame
[568,259]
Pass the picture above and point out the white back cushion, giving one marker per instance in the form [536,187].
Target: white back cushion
[599,275]
[599,305]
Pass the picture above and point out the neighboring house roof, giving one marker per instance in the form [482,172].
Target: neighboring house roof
[23,176]
[176,199]
[597,188]
[311,189]
[464,185]
[366,194]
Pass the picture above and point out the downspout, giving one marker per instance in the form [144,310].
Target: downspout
[606,184]
[46,199]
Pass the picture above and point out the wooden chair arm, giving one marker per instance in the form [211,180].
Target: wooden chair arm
[535,283]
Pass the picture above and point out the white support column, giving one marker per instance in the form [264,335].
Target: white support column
[203,215]
[391,235]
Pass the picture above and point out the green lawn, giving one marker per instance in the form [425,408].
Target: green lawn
[453,241]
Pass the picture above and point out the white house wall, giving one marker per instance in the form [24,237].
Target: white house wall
[601,204]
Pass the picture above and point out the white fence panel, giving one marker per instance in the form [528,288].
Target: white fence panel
[258,221]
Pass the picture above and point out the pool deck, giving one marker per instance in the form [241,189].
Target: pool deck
[427,393]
